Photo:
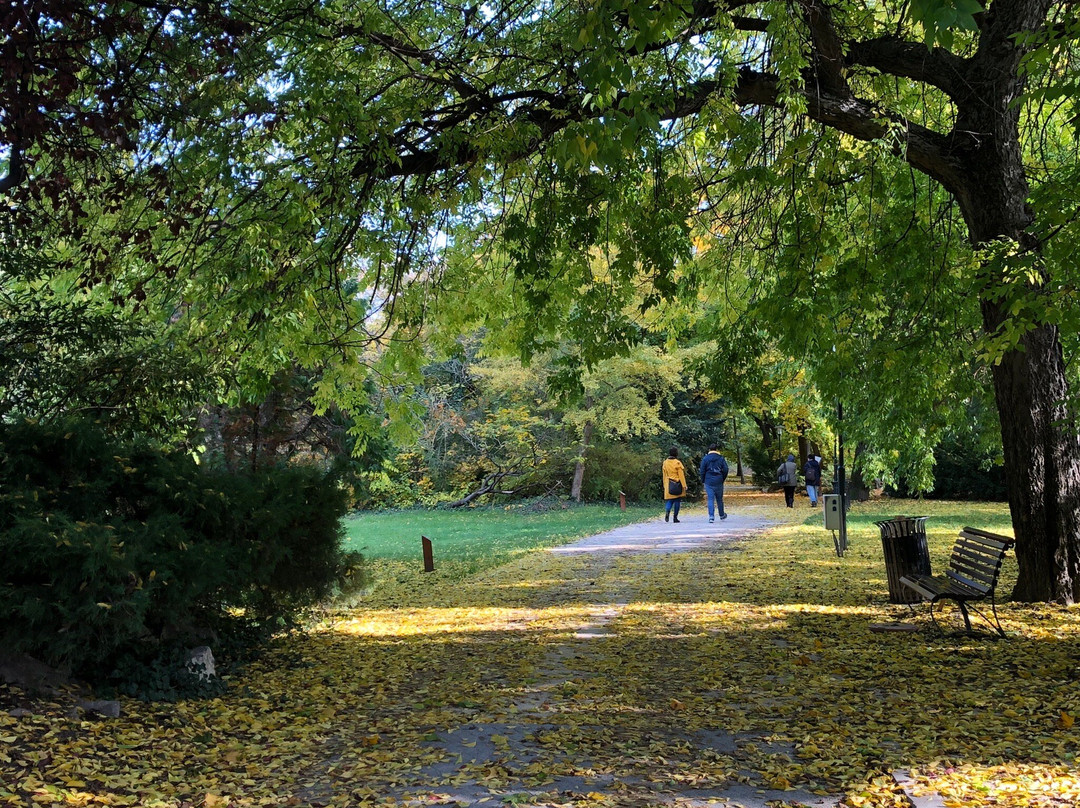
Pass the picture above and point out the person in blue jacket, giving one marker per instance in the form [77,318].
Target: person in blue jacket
[713,472]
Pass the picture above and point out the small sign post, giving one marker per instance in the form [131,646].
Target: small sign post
[429,559]
[622,500]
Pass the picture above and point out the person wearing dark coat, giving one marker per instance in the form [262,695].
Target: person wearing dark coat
[788,475]
[713,472]
[812,472]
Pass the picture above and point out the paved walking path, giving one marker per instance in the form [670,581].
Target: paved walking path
[693,532]
[547,704]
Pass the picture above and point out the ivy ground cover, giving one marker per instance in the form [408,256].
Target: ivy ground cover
[742,673]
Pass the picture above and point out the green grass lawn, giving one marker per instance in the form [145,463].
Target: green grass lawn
[466,541]
[481,536]
[944,515]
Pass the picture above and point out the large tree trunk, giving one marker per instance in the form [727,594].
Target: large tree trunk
[1038,433]
[1042,464]
[857,487]
[981,163]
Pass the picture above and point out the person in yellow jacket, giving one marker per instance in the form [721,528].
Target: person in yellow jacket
[674,484]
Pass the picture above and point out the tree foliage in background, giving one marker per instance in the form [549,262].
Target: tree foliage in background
[243,164]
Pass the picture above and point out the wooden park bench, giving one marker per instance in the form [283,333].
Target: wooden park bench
[971,577]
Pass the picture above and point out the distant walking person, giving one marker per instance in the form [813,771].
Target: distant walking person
[812,472]
[674,484]
[713,472]
[788,476]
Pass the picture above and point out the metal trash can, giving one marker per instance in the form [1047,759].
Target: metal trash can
[903,538]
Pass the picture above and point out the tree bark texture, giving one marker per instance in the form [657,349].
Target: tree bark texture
[1038,433]
[857,487]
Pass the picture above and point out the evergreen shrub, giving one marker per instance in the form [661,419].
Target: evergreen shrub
[115,551]
[764,461]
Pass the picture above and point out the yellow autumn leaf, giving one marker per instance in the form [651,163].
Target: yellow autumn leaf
[580,662]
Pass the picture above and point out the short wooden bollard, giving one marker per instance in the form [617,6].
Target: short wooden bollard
[429,559]
[622,500]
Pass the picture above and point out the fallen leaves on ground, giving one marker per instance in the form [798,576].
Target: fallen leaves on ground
[627,676]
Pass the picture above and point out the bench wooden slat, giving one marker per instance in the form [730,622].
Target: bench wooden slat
[988,534]
[976,544]
[994,540]
[975,568]
[989,563]
[967,575]
[936,586]
[963,591]
[964,551]
[976,585]
[917,585]
[983,537]
[966,545]
[989,560]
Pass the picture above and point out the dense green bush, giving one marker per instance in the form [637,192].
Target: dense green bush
[113,551]
[962,471]
[764,461]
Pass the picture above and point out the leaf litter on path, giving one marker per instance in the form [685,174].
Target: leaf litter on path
[702,678]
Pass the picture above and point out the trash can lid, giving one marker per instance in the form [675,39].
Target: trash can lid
[902,526]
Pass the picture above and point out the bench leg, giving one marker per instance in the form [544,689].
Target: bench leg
[964,610]
[997,622]
[933,618]
[967,618]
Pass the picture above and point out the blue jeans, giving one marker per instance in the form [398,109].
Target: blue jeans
[672,505]
[714,494]
[811,491]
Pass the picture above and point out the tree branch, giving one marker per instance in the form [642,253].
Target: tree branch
[938,67]
[925,149]
[827,53]
[742,23]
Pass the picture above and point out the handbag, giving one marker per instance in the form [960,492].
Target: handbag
[674,487]
[783,479]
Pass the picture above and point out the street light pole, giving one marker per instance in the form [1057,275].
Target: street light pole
[841,483]
[738,451]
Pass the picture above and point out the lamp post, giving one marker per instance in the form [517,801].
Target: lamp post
[738,451]
[841,483]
